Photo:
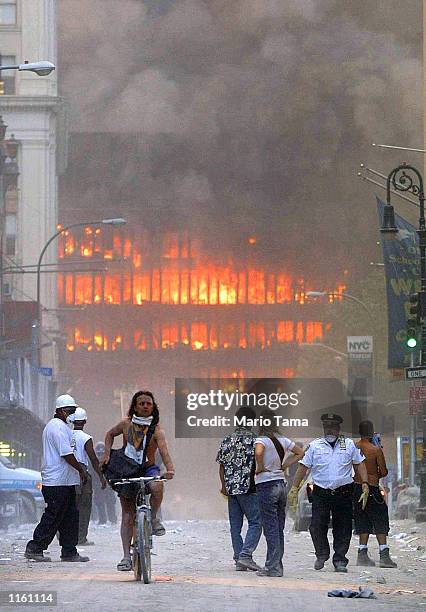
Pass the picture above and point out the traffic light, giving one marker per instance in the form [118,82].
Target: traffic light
[413,321]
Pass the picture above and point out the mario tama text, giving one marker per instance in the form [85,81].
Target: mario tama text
[215,407]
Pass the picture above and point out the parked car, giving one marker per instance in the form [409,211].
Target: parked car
[21,500]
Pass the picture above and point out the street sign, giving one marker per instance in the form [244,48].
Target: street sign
[415,373]
[361,345]
[46,371]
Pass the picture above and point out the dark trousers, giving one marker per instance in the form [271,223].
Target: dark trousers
[60,515]
[272,498]
[83,501]
[339,504]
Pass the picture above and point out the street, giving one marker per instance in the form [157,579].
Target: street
[193,570]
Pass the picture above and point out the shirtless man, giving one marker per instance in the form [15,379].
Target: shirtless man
[374,518]
[143,414]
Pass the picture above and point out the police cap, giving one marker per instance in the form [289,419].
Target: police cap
[330,417]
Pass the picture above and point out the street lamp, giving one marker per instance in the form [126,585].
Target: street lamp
[36,325]
[315,294]
[40,68]
[407,178]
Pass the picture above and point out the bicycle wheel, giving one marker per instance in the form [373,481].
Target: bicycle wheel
[144,549]
[137,570]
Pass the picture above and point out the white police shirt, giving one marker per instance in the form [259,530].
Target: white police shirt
[331,467]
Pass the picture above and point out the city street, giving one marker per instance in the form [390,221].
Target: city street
[193,570]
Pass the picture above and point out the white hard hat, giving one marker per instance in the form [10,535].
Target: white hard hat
[63,401]
[79,415]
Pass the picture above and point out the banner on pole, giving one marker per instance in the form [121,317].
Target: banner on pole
[401,258]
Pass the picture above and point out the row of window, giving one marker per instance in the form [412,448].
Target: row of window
[198,335]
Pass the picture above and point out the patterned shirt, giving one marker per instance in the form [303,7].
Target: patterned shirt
[236,454]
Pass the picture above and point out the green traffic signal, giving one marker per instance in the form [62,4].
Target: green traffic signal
[411,342]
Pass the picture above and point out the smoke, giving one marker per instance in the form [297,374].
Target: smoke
[240,118]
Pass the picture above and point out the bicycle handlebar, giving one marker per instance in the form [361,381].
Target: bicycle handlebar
[140,479]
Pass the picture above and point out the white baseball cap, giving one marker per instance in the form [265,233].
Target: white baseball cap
[65,401]
[79,415]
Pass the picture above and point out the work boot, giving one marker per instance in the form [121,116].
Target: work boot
[319,563]
[363,558]
[36,556]
[385,559]
[75,559]
[248,563]
[239,568]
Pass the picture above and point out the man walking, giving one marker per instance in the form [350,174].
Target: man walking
[236,472]
[374,518]
[331,459]
[104,499]
[83,451]
[60,473]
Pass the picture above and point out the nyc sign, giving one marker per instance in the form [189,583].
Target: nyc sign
[360,344]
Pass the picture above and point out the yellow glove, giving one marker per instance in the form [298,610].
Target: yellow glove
[364,495]
[292,497]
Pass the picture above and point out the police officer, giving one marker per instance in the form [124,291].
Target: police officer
[331,459]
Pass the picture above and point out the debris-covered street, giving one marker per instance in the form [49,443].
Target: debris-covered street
[193,570]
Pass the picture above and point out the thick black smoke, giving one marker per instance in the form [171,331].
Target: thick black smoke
[241,117]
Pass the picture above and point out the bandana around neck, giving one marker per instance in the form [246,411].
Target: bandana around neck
[144,421]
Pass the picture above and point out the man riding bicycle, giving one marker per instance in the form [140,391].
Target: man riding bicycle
[142,437]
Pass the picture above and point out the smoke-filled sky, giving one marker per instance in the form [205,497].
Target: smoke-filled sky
[241,117]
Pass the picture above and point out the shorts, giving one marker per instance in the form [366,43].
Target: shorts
[129,491]
[375,518]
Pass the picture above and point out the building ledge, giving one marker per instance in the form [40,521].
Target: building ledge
[31,103]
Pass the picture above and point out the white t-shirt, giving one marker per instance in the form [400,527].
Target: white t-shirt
[271,459]
[80,438]
[57,442]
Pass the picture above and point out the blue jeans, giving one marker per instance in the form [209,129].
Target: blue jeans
[272,497]
[240,506]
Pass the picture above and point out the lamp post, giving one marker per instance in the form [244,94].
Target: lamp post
[37,323]
[408,179]
[347,296]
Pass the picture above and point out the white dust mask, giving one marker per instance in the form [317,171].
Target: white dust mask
[142,420]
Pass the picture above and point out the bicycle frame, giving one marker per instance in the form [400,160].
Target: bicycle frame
[142,535]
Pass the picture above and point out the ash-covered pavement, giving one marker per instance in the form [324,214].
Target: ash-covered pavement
[193,570]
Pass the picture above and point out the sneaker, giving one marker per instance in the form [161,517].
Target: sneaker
[75,559]
[248,563]
[341,568]
[36,556]
[363,558]
[125,565]
[158,528]
[385,559]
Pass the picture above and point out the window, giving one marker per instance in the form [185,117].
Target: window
[7,12]
[7,77]
[11,234]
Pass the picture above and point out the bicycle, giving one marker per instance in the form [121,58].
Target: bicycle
[142,531]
